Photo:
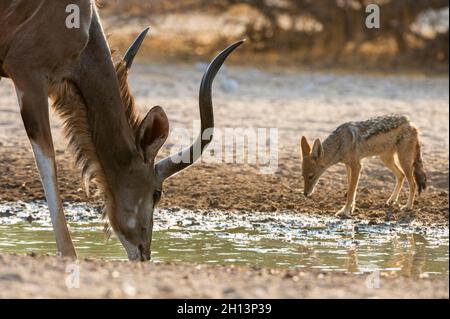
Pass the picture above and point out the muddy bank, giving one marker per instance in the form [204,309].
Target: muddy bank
[285,240]
[240,187]
[47,277]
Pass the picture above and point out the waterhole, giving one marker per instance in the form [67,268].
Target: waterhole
[255,239]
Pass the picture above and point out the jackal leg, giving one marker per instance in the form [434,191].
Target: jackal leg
[349,177]
[389,161]
[32,95]
[406,152]
[354,171]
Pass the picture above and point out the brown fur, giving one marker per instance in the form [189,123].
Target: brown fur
[391,137]
[133,116]
[69,105]
[419,173]
[379,125]
[112,145]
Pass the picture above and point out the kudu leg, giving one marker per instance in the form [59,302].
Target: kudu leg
[32,96]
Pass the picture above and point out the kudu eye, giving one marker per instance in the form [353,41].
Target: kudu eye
[156,196]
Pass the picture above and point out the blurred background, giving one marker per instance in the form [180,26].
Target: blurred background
[315,33]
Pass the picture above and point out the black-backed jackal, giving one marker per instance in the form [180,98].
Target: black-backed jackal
[391,137]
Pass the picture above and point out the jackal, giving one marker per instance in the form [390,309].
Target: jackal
[394,138]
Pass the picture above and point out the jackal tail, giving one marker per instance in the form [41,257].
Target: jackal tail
[419,173]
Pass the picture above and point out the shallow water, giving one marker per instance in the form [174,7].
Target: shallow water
[286,240]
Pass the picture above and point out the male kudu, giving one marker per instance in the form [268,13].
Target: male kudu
[113,145]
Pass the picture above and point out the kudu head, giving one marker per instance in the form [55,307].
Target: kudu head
[139,185]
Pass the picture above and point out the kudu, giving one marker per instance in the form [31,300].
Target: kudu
[113,145]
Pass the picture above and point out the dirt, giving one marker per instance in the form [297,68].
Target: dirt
[310,104]
[52,277]
[296,103]
[240,189]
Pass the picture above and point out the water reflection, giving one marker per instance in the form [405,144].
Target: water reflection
[351,264]
[286,240]
[409,256]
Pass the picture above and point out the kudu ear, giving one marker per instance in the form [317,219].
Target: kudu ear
[317,150]
[306,148]
[152,133]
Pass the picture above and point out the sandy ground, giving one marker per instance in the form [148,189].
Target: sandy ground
[50,277]
[293,101]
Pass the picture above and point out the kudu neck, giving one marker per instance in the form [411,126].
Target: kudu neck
[98,84]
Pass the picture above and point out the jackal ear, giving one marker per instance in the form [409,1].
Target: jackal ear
[306,148]
[317,150]
[152,133]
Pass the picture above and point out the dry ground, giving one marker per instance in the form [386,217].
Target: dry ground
[293,101]
[47,277]
[296,103]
